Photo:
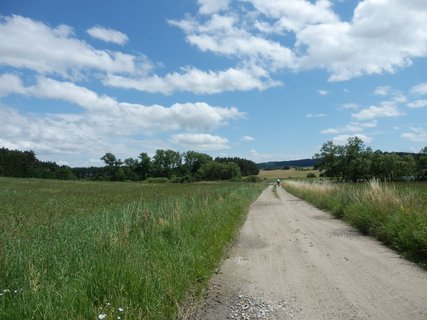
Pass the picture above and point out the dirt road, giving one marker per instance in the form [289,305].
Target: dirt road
[293,261]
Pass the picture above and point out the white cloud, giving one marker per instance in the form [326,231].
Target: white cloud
[29,44]
[342,139]
[420,89]
[10,83]
[421,103]
[315,115]
[223,35]
[353,127]
[416,135]
[382,91]
[108,35]
[212,6]
[295,15]
[201,141]
[323,92]
[247,139]
[132,117]
[385,110]
[103,123]
[373,42]
[198,81]
[349,106]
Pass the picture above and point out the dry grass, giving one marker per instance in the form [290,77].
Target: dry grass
[286,174]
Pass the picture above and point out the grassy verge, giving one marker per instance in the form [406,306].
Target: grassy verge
[394,214]
[76,250]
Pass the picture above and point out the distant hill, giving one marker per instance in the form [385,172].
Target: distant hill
[272,165]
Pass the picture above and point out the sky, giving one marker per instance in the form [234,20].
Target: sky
[262,80]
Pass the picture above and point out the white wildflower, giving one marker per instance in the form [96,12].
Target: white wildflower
[121,309]
[102,316]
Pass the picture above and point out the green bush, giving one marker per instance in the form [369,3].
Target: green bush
[157,180]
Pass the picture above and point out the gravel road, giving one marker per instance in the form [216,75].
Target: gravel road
[293,261]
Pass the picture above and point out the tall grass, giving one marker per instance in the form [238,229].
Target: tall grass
[76,250]
[395,214]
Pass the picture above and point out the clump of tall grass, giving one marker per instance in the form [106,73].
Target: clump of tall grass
[75,250]
[398,217]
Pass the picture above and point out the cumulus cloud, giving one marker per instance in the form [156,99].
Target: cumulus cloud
[223,34]
[18,34]
[385,110]
[10,83]
[373,41]
[197,81]
[416,135]
[420,89]
[421,103]
[201,141]
[382,91]
[127,116]
[343,138]
[103,121]
[323,92]
[108,35]
[212,6]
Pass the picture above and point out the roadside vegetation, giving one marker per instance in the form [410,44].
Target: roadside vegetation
[396,214]
[101,250]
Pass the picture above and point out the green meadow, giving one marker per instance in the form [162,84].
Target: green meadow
[102,250]
[395,213]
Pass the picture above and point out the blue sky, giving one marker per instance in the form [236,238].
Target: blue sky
[263,80]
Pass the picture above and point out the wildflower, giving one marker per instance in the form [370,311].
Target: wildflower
[102,316]
[118,318]
[120,309]
[6,291]
[108,304]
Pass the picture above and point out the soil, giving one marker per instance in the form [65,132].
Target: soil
[293,261]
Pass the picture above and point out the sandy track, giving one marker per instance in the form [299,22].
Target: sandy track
[293,261]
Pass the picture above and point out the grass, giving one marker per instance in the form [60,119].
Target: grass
[396,214]
[286,174]
[88,250]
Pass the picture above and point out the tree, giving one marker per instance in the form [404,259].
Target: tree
[193,161]
[424,150]
[113,169]
[166,163]
[247,167]
[330,160]
[219,171]
[130,169]
[144,166]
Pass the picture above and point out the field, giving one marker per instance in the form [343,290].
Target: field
[394,213]
[286,174]
[88,250]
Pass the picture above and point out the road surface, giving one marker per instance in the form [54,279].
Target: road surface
[293,261]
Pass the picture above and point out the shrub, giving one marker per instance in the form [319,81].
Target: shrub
[311,175]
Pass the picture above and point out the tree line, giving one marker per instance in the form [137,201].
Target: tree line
[176,166]
[165,164]
[354,162]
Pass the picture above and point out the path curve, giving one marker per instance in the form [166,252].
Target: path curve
[293,261]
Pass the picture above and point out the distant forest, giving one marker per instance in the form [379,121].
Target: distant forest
[352,162]
[165,165]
